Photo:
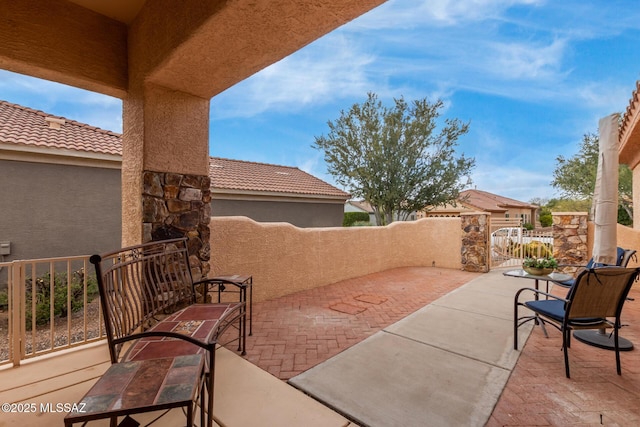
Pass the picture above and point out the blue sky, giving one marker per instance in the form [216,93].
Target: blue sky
[531,77]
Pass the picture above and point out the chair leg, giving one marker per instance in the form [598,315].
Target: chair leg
[515,326]
[617,348]
[566,333]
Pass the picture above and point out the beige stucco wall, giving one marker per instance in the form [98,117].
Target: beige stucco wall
[284,259]
[636,196]
[628,238]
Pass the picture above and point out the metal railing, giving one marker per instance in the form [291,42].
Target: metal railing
[47,305]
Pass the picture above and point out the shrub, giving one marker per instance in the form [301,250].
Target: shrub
[352,217]
[546,220]
[527,226]
[42,296]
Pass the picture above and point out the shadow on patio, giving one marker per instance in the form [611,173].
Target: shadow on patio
[368,319]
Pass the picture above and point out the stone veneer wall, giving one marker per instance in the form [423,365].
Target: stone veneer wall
[570,237]
[176,205]
[475,242]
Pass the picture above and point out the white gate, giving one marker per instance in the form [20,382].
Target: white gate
[511,245]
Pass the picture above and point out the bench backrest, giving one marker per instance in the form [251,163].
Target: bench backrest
[139,283]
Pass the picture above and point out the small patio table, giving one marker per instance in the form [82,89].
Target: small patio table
[129,388]
[554,277]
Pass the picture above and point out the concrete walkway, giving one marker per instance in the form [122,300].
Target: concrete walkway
[444,365]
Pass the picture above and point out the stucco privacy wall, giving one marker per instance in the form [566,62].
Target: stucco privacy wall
[628,238]
[284,259]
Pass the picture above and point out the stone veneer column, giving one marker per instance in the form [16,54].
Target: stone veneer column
[176,205]
[475,241]
[570,238]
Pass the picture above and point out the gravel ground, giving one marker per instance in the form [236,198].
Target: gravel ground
[43,333]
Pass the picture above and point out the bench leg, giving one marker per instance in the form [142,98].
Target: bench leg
[212,365]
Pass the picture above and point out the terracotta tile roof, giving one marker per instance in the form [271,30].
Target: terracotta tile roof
[262,177]
[491,202]
[28,127]
[25,126]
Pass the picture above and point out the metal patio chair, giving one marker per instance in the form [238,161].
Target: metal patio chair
[595,301]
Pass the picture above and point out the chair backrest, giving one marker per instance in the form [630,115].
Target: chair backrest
[600,292]
[139,283]
[627,256]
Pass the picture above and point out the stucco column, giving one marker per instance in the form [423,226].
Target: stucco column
[165,170]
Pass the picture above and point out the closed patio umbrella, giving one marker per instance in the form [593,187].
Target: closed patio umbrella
[605,218]
[605,194]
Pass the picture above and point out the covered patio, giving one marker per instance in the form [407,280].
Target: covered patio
[166,60]
[309,338]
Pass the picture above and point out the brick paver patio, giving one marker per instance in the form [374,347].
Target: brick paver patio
[294,333]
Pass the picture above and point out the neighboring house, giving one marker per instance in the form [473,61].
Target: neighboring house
[272,193]
[61,186]
[502,209]
[60,192]
[361,206]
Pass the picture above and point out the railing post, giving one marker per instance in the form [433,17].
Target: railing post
[16,310]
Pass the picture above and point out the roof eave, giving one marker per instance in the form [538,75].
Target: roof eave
[233,194]
[39,154]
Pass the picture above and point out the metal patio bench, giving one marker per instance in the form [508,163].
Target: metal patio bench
[153,309]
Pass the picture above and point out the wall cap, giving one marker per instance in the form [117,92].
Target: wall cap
[570,213]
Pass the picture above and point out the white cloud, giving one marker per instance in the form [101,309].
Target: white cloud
[606,96]
[527,61]
[330,69]
[516,182]
[412,13]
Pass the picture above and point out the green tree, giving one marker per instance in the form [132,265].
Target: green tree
[576,177]
[569,205]
[393,157]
